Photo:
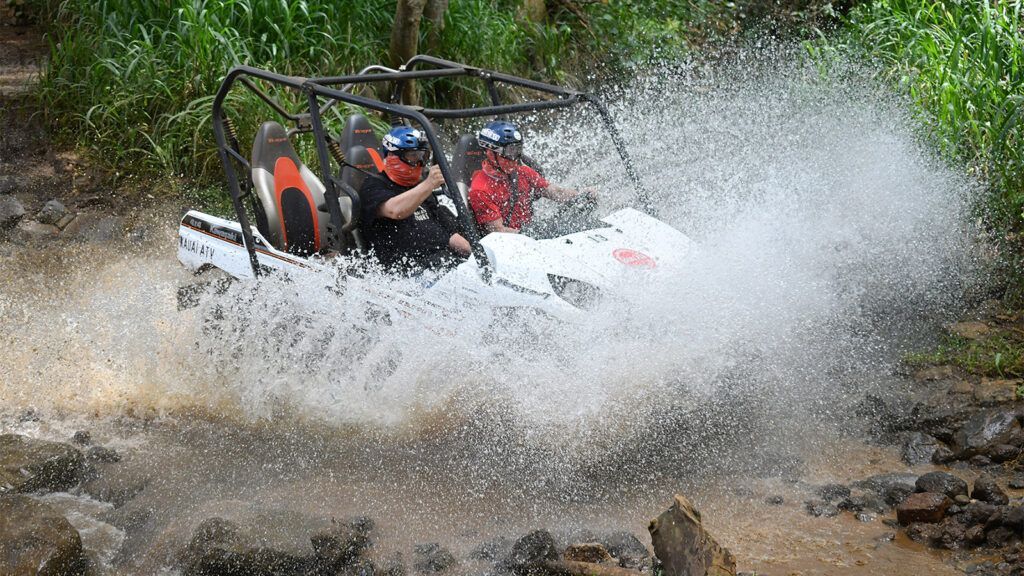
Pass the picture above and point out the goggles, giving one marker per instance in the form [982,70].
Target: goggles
[415,157]
[510,151]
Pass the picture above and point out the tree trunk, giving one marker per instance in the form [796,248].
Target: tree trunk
[534,10]
[405,37]
[434,13]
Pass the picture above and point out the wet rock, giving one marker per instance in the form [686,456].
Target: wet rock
[531,551]
[952,535]
[986,489]
[865,517]
[1011,517]
[922,507]
[975,513]
[863,502]
[934,373]
[684,547]
[889,414]
[52,212]
[1016,483]
[82,438]
[432,558]
[10,184]
[29,465]
[943,455]
[897,494]
[627,549]
[984,430]
[941,415]
[975,535]
[970,330]
[830,492]
[342,543]
[219,546]
[992,391]
[941,483]
[36,539]
[116,484]
[999,537]
[886,537]
[926,533]
[775,500]
[962,499]
[819,508]
[919,448]
[591,552]
[1003,453]
[102,454]
[980,461]
[892,487]
[962,387]
[93,227]
[30,231]
[11,212]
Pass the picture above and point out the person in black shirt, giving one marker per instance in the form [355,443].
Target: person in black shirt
[402,221]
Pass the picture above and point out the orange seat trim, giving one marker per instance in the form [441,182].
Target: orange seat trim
[287,175]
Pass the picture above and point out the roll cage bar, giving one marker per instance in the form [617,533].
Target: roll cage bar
[336,89]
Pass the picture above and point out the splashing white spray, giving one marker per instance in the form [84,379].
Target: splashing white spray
[822,225]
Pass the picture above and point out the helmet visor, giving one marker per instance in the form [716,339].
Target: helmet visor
[512,151]
[415,157]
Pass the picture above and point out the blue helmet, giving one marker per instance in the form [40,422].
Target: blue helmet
[402,138]
[501,137]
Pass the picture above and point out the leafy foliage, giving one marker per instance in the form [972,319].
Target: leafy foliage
[962,62]
[132,80]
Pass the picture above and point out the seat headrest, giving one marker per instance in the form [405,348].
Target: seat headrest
[270,144]
[358,132]
[467,158]
[362,158]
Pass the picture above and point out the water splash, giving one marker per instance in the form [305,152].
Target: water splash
[827,233]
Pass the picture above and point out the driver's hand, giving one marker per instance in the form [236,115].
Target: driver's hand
[434,177]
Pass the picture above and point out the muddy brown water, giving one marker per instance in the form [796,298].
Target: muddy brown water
[300,477]
[74,351]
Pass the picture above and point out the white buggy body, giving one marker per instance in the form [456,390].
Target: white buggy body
[559,276]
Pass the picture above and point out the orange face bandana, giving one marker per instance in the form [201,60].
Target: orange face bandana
[401,173]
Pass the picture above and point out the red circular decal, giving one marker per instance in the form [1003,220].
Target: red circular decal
[634,258]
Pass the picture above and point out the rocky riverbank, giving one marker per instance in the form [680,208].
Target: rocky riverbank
[969,427]
[36,538]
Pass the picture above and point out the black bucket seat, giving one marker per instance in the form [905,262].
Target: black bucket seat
[466,160]
[359,142]
[294,214]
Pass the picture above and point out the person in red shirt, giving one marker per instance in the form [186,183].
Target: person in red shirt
[502,192]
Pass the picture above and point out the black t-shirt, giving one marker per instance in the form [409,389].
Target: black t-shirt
[415,243]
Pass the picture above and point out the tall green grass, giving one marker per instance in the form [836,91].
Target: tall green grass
[962,62]
[132,80]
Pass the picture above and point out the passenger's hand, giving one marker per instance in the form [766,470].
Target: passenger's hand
[434,177]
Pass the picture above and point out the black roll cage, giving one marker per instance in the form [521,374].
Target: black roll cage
[336,89]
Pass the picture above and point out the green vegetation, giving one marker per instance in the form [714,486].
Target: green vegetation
[132,80]
[996,355]
[962,63]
